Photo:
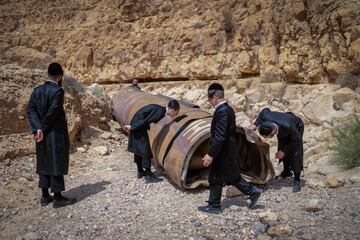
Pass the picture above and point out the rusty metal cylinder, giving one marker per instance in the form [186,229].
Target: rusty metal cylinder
[179,144]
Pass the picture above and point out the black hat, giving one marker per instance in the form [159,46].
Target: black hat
[265,128]
[216,86]
[55,69]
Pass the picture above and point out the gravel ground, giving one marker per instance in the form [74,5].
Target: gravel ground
[113,204]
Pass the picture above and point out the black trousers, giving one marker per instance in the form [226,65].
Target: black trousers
[216,189]
[142,162]
[56,183]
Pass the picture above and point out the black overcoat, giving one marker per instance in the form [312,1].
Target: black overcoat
[138,138]
[224,168]
[45,111]
[290,134]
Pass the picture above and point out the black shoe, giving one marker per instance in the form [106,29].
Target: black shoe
[254,196]
[296,186]
[151,178]
[284,174]
[44,201]
[64,201]
[210,209]
[140,174]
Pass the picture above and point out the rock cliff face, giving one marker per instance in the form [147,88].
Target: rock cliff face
[113,41]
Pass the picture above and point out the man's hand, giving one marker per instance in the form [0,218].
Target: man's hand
[207,160]
[38,136]
[279,155]
[127,128]
[252,127]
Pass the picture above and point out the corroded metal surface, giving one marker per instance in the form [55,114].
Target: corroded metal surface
[179,144]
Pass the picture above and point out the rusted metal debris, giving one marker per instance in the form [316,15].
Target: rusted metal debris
[179,144]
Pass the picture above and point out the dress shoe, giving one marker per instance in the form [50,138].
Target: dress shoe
[151,178]
[64,201]
[284,174]
[254,196]
[140,174]
[210,209]
[44,201]
[296,186]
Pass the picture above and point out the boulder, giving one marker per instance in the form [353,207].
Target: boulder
[268,217]
[333,182]
[313,205]
[320,110]
[280,231]
[102,150]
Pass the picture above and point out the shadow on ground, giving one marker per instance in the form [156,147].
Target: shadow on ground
[84,191]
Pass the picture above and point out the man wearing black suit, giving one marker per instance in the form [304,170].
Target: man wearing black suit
[139,139]
[289,130]
[224,169]
[47,118]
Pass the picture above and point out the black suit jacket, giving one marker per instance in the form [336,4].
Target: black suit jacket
[45,111]
[140,123]
[290,133]
[224,168]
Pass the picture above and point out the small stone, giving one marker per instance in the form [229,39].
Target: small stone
[231,191]
[313,205]
[32,236]
[305,236]
[29,227]
[263,237]
[19,238]
[115,136]
[314,183]
[332,182]
[29,178]
[62,232]
[69,216]
[22,180]
[201,216]
[7,162]
[280,230]
[268,217]
[106,135]
[103,120]
[234,208]
[102,150]
[81,149]
[259,228]
[198,224]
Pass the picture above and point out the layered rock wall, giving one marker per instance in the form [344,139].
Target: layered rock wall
[106,41]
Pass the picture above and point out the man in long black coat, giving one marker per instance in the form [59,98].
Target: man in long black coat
[289,130]
[139,139]
[224,169]
[47,118]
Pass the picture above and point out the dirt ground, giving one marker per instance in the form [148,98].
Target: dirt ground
[113,204]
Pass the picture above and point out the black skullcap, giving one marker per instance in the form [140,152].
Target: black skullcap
[265,128]
[174,104]
[216,86]
[55,69]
